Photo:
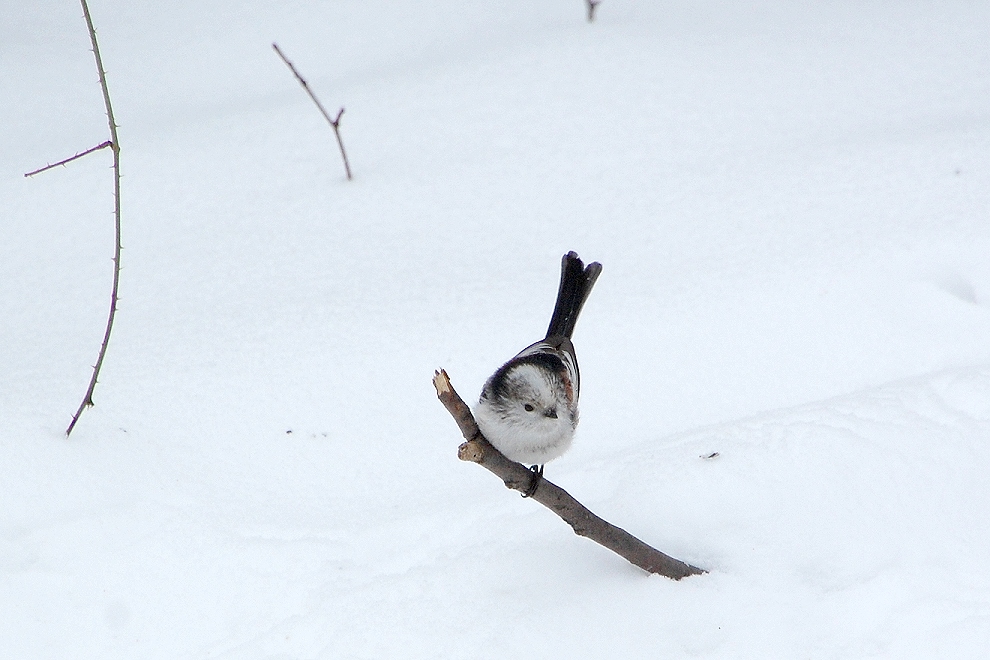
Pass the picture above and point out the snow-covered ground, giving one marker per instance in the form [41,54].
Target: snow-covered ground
[791,201]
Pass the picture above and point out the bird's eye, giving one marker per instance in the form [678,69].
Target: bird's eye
[529,408]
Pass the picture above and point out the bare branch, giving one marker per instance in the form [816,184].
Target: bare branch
[334,123]
[69,160]
[514,475]
[115,147]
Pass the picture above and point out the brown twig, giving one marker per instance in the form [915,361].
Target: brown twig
[115,148]
[478,450]
[592,6]
[334,123]
[69,160]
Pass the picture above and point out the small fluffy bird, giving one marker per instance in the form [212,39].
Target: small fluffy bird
[529,408]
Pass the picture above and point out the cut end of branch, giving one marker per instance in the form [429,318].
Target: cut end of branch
[455,405]
[472,451]
[441,381]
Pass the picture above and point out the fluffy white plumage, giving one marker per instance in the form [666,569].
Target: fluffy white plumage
[534,425]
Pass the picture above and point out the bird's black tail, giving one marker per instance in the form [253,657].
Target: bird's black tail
[576,282]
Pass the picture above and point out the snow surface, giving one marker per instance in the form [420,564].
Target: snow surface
[791,200]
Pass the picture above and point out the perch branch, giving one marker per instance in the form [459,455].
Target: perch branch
[334,123]
[115,148]
[477,449]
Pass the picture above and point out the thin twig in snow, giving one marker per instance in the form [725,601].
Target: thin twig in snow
[592,6]
[335,123]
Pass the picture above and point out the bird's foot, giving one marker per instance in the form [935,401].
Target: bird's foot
[534,482]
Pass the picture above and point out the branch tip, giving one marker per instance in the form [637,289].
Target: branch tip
[441,381]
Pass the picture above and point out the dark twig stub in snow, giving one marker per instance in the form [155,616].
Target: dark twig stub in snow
[592,6]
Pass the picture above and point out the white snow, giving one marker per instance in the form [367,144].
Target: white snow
[791,201]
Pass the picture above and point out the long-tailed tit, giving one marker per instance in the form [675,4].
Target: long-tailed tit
[529,408]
